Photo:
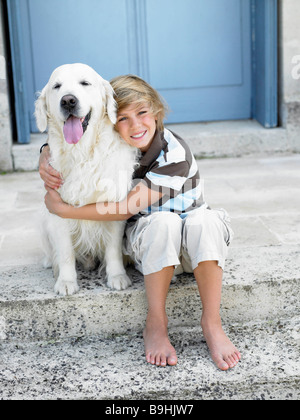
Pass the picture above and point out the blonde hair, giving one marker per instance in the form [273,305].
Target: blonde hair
[130,89]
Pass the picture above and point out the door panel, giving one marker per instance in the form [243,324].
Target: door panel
[200,45]
[64,31]
[203,64]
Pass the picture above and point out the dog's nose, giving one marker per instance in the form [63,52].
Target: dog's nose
[68,102]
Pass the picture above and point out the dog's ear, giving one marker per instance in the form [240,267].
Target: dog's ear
[41,111]
[111,105]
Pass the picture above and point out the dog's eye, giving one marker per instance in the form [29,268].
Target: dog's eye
[85,83]
[57,86]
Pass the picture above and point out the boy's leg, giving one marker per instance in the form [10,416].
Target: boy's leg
[207,234]
[154,244]
[158,348]
[209,279]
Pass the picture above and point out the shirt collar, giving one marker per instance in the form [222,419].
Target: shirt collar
[157,145]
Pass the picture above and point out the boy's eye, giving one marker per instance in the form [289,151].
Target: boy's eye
[122,119]
[142,112]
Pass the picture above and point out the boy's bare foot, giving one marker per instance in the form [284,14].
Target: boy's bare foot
[159,351]
[223,352]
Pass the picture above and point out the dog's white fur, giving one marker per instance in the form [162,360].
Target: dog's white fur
[98,168]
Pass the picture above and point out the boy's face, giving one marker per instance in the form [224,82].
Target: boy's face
[137,125]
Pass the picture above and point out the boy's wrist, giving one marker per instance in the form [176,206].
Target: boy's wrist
[67,211]
[42,147]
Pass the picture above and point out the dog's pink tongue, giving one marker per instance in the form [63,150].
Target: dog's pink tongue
[73,130]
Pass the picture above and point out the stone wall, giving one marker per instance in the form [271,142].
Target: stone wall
[289,70]
[6,163]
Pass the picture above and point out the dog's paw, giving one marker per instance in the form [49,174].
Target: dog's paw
[66,287]
[119,282]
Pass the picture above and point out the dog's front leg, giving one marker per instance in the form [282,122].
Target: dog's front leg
[64,256]
[115,271]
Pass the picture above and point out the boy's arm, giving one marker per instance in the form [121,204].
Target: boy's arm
[138,199]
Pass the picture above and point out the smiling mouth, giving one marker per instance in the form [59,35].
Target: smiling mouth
[85,121]
[75,127]
[139,136]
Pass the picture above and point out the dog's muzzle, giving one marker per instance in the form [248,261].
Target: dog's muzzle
[75,126]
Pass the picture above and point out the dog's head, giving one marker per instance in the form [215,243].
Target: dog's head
[75,96]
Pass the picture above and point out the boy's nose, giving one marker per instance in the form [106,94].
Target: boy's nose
[134,123]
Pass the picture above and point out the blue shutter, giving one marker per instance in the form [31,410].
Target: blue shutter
[264,14]
[19,76]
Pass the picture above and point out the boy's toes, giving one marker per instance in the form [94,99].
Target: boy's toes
[172,360]
[221,363]
[163,361]
[231,361]
[158,360]
[150,358]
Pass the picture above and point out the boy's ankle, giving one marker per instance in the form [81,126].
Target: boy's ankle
[211,321]
[156,320]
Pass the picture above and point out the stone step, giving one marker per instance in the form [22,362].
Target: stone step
[89,346]
[112,369]
[259,283]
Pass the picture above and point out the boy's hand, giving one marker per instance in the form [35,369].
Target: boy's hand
[54,203]
[49,175]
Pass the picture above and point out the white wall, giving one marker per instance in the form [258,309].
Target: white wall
[289,20]
[5,125]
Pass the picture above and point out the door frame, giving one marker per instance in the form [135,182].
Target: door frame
[21,110]
[264,61]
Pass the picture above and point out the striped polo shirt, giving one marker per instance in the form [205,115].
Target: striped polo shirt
[170,167]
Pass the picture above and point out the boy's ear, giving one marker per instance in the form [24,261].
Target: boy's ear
[41,111]
[111,105]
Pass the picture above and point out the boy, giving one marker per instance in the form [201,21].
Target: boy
[169,224]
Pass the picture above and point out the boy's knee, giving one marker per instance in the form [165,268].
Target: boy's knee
[167,223]
[207,224]
[203,220]
[164,230]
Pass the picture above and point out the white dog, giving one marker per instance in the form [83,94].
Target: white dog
[78,107]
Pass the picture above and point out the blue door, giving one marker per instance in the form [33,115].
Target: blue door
[197,53]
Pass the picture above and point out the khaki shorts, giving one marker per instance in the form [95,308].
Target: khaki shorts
[163,239]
